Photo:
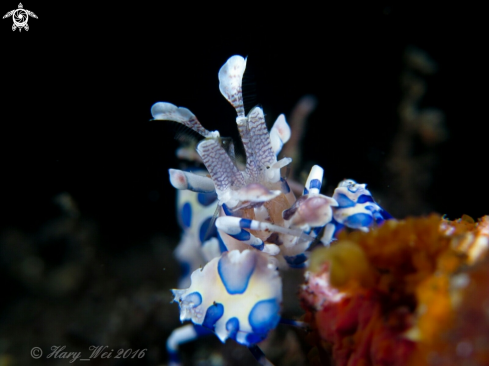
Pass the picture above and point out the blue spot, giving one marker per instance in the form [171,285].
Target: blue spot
[263,317]
[253,338]
[337,228]
[317,230]
[381,216]
[243,235]
[222,246]
[204,228]
[207,199]
[245,223]
[378,218]
[296,259]
[260,247]
[365,198]
[386,215]
[226,209]
[285,186]
[212,315]
[195,298]
[344,201]
[200,330]
[315,183]
[232,326]
[236,276]
[358,220]
[187,215]
[371,208]
[305,191]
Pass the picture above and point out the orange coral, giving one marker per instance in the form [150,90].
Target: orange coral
[390,295]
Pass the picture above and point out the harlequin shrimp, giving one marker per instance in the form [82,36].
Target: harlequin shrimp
[260,227]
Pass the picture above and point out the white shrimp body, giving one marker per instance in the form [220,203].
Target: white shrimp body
[260,225]
[237,295]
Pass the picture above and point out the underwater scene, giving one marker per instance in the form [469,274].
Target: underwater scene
[303,196]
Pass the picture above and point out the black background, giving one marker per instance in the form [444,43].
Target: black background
[77,89]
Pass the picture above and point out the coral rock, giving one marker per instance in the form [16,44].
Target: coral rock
[411,292]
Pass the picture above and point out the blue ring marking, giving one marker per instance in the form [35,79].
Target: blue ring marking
[222,246]
[243,235]
[212,315]
[173,356]
[378,218]
[337,228]
[196,190]
[232,326]
[186,215]
[236,276]
[386,215]
[194,297]
[318,229]
[285,186]
[226,209]
[296,259]
[253,338]
[288,213]
[353,188]
[315,183]
[245,223]
[264,317]
[365,198]
[358,220]
[305,191]
[200,330]
[371,208]
[207,199]
[344,201]
[260,247]
[204,228]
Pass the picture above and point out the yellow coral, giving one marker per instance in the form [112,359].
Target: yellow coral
[412,275]
[348,265]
